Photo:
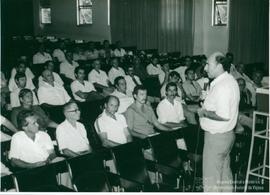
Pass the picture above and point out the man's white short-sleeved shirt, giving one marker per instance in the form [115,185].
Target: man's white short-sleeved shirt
[223,99]
[15,101]
[68,69]
[98,77]
[31,151]
[56,77]
[125,101]
[156,70]
[114,73]
[168,112]
[69,137]
[78,86]
[53,95]
[39,58]
[113,127]
[131,84]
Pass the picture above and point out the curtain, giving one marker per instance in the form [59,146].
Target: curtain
[248,31]
[166,25]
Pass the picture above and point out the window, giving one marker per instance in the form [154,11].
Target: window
[220,13]
[45,12]
[84,12]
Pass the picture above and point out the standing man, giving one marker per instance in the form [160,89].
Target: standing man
[218,117]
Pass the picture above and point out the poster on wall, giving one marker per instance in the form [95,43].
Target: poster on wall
[220,13]
[84,12]
[46,16]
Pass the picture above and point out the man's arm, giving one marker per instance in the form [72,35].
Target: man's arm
[105,141]
[69,153]
[81,94]
[22,164]
[176,125]
[211,115]
[128,134]
[138,135]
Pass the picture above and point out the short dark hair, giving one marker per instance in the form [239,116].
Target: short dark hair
[229,54]
[117,79]
[224,62]
[68,104]
[109,97]
[174,73]
[188,69]
[23,92]
[137,88]
[171,84]
[19,75]
[21,118]
[78,68]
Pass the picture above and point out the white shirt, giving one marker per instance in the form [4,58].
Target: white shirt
[24,148]
[119,53]
[53,95]
[56,77]
[59,54]
[223,98]
[29,76]
[77,86]
[181,70]
[114,73]
[98,77]
[156,70]
[168,112]
[39,58]
[90,55]
[125,101]
[131,84]
[15,101]
[69,137]
[113,128]
[68,69]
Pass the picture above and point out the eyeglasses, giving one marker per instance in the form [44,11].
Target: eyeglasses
[76,110]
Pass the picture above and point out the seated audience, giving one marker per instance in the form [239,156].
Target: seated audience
[111,126]
[115,70]
[169,110]
[120,93]
[191,88]
[67,67]
[20,80]
[99,78]
[132,80]
[91,52]
[118,51]
[139,68]
[154,69]
[78,54]
[181,69]
[71,135]
[59,52]
[41,56]
[140,116]
[21,68]
[83,90]
[26,100]
[49,65]
[30,147]
[106,51]
[51,92]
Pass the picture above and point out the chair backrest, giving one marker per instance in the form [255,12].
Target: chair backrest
[130,162]
[165,149]
[88,173]
[40,179]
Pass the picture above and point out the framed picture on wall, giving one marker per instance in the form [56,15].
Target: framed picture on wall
[84,12]
[219,12]
[45,15]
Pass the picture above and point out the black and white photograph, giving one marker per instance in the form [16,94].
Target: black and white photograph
[134,96]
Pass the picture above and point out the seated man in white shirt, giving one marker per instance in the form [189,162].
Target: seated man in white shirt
[21,68]
[155,69]
[115,71]
[71,135]
[30,147]
[51,93]
[20,80]
[59,53]
[132,81]
[99,78]
[111,126]
[41,56]
[120,92]
[118,51]
[49,65]
[67,67]
[169,110]
[83,90]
